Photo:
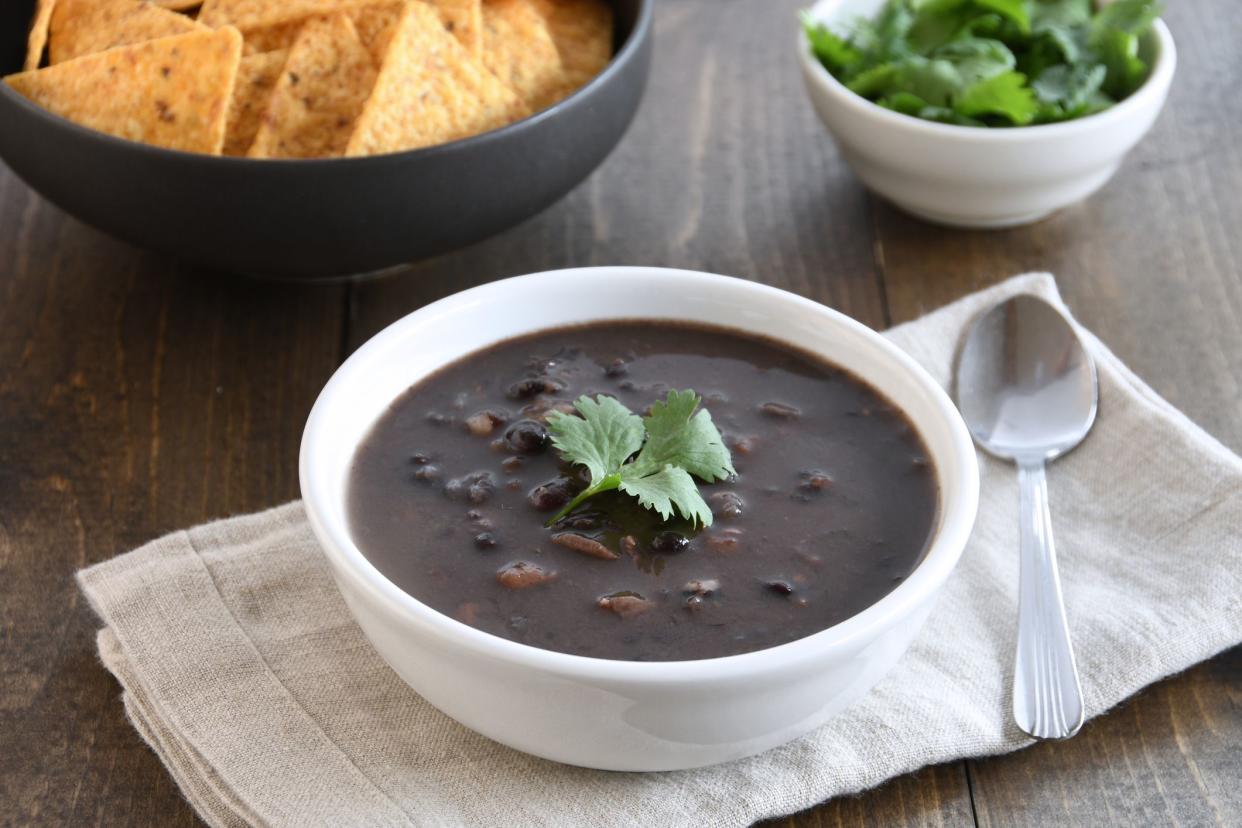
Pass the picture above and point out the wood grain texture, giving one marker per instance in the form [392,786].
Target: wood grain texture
[136,397]
[139,396]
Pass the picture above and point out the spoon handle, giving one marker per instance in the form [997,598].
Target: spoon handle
[1047,699]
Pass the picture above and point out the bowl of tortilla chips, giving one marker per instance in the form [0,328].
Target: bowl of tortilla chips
[314,138]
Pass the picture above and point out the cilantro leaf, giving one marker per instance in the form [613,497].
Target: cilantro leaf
[601,439]
[1013,10]
[977,58]
[1130,16]
[679,433]
[1067,90]
[1005,95]
[668,489]
[675,440]
[831,49]
[1125,70]
[992,62]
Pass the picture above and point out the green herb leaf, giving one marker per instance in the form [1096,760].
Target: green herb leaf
[1126,71]
[679,433]
[1012,10]
[1005,95]
[977,58]
[1068,89]
[668,489]
[601,439]
[976,62]
[830,48]
[676,440]
[1130,16]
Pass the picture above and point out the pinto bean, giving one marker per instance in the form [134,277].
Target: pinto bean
[815,481]
[625,604]
[483,423]
[584,545]
[523,574]
[705,586]
[781,410]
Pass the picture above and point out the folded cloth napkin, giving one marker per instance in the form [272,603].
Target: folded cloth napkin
[243,670]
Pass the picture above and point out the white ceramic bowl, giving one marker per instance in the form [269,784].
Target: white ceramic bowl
[973,176]
[624,715]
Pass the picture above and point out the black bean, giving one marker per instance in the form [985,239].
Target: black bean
[427,474]
[531,387]
[419,459]
[527,437]
[669,542]
[780,587]
[551,495]
[485,540]
[476,487]
[695,603]
[511,464]
[617,368]
[727,505]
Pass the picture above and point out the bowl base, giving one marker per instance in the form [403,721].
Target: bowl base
[975,222]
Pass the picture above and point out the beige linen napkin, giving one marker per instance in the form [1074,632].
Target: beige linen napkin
[242,668]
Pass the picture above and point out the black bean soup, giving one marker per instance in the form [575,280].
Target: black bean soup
[832,507]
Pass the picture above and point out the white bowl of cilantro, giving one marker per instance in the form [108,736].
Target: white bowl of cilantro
[986,113]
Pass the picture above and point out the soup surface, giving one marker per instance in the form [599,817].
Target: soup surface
[832,507]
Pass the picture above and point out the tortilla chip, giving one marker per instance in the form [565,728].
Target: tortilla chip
[374,22]
[82,27]
[178,5]
[326,79]
[429,91]
[256,77]
[37,38]
[172,92]
[252,14]
[464,18]
[582,31]
[519,50]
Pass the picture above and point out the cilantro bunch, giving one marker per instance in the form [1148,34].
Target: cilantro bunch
[991,62]
[651,458]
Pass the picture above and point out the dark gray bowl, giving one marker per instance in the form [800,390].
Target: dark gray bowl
[329,217]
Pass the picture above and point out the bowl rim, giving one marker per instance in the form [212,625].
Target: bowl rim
[637,36]
[943,552]
[1156,85]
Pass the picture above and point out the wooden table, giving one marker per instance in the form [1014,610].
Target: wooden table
[139,395]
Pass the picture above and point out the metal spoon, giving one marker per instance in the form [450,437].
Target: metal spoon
[1027,389]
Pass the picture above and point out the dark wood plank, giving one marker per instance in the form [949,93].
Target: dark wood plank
[136,397]
[930,798]
[1167,757]
[1151,265]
